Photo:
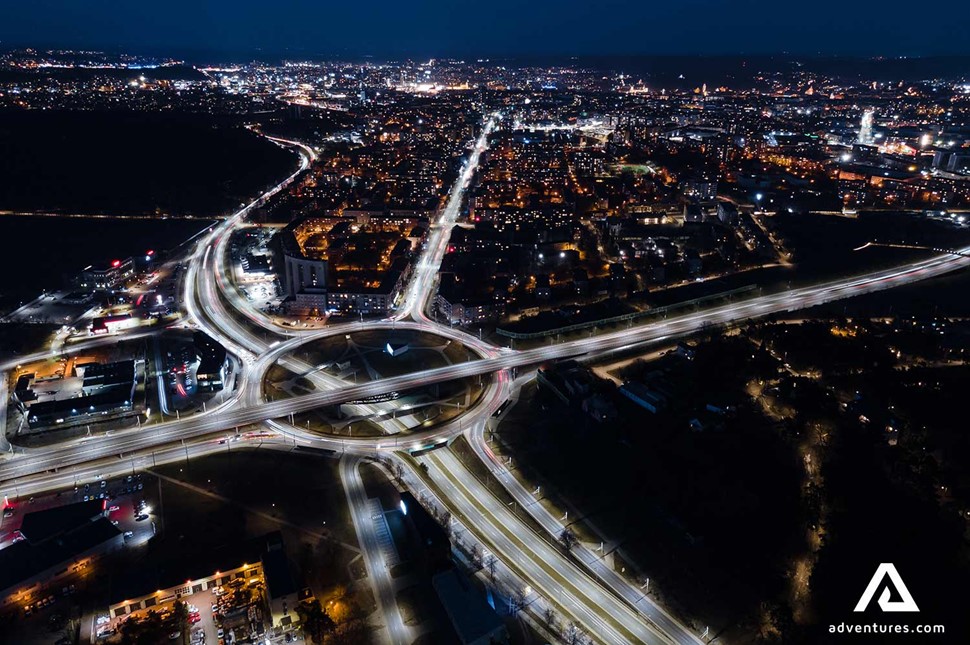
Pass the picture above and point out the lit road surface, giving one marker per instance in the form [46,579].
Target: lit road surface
[421,289]
[554,526]
[377,570]
[80,346]
[4,397]
[239,415]
[597,609]
[32,467]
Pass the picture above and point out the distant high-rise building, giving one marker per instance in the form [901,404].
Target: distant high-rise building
[865,128]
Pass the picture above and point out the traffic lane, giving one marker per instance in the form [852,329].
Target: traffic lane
[595,564]
[615,340]
[540,564]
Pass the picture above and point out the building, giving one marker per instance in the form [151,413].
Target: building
[475,622]
[256,264]
[395,348]
[568,380]
[644,396]
[107,391]
[210,375]
[575,384]
[693,213]
[435,553]
[106,276]
[282,593]
[699,187]
[85,409]
[305,281]
[57,542]
[146,587]
[112,324]
[98,377]
[727,213]
[355,266]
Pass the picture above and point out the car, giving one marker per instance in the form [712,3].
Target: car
[8,511]
[174,635]
[103,483]
[141,517]
[114,508]
[129,534]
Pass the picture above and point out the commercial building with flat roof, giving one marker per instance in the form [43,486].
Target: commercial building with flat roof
[258,559]
[56,542]
[106,276]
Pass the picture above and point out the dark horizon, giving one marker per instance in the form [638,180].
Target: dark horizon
[200,55]
[505,29]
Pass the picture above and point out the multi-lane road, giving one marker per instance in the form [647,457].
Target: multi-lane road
[581,586]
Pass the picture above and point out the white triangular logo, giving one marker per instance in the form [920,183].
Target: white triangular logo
[905,604]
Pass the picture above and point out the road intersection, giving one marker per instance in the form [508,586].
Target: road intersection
[579,585]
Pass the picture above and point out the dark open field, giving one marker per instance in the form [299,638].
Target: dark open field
[131,163]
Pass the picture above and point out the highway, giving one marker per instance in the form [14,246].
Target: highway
[554,526]
[586,590]
[537,559]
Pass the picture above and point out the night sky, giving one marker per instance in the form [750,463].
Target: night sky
[385,28]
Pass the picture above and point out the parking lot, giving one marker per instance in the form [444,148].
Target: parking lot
[202,627]
[213,618]
[121,498]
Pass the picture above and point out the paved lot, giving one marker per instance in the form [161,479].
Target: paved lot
[119,493]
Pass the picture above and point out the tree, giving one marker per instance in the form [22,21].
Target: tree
[71,628]
[476,555]
[490,565]
[549,615]
[181,612]
[568,539]
[316,622]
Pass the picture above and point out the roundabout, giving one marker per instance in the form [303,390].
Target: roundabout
[367,355]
